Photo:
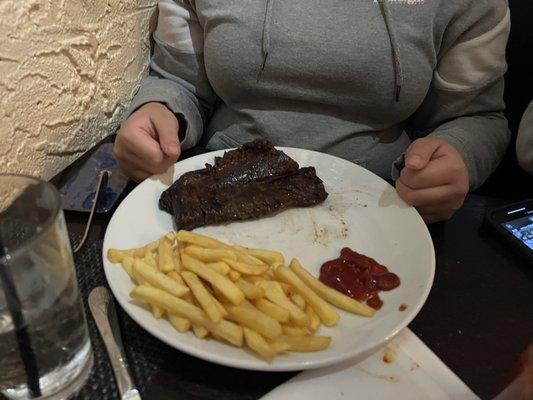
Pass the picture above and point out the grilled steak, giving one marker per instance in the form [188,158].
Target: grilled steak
[250,182]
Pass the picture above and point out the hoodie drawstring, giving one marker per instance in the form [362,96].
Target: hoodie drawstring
[397,62]
[265,39]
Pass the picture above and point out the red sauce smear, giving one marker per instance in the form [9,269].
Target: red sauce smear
[359,277]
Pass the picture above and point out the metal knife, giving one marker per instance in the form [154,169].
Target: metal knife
[104,313]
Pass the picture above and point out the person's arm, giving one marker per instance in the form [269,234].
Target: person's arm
[177,73]
[464,105]
[524,141]
[459,131]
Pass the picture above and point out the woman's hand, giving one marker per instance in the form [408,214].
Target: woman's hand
[434,179]
[148,143]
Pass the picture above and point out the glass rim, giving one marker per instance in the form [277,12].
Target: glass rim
[46,225]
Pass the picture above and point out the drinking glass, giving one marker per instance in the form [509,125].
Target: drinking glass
[45,351]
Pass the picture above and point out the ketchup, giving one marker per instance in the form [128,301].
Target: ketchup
[359,277]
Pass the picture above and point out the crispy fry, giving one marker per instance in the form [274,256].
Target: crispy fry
[246,269]
[201,240]
[171,237]
[174,305]
[278,313]
[326,312]
[177,259]
[250,290]
[286,288]
[220,307]
[221,267]
[256,342]
[127,264]
[203,297]
[305,343]
[254,319]
[227,287]
[158,279]
[295,331]
[253,279]
[165,261]
[275,294]
[234,276]
[177,277]
[267,256]
[298,300]
[182,325]
[156,311]
[314,323]
[279,347]
[200,332]
[247,258]
[150,259]
[207,255]
[116,255]
[329,294]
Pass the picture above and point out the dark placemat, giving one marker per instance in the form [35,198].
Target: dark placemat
[145,353]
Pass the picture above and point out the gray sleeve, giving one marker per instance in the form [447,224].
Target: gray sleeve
[177,73]
[464,105]
[524,141]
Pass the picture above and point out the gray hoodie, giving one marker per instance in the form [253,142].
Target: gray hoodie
[359,79]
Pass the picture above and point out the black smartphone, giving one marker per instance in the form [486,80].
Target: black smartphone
[514,223]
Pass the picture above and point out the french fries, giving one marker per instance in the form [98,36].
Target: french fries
[226,287]
[254,319]
[331,295]
[200,240]
[209,255]
[295,331]
[306,343]
[234,276]
[246,269]
[314,321]
[174,305]
[256,342]
[204,298]
[267,256]
[278,313]
[276,295]
[165,259]
[221,267]
[158,279]
[326,313]
[116,255]
[298,300]
[182,325]
[240,295]
[250,290]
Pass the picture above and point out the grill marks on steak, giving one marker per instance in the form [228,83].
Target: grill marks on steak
[250,182]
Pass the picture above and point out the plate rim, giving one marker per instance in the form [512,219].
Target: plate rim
[259,364]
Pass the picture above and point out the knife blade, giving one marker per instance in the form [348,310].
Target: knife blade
[105,316]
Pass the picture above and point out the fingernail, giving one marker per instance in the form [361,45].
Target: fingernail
[414,160]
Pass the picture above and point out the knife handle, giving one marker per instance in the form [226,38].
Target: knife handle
[104,313]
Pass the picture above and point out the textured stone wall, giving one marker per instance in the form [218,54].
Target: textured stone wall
[67,70]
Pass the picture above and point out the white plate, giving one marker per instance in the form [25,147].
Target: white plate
[362,212]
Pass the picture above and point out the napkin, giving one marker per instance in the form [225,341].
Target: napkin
[404,369]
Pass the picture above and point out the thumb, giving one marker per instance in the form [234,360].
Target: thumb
[420,153]
[166,126]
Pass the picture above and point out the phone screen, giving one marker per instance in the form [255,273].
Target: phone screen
[521,227]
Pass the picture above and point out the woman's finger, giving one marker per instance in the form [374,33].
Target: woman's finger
[426,197]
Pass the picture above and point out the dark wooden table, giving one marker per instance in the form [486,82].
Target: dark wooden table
[478,318]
